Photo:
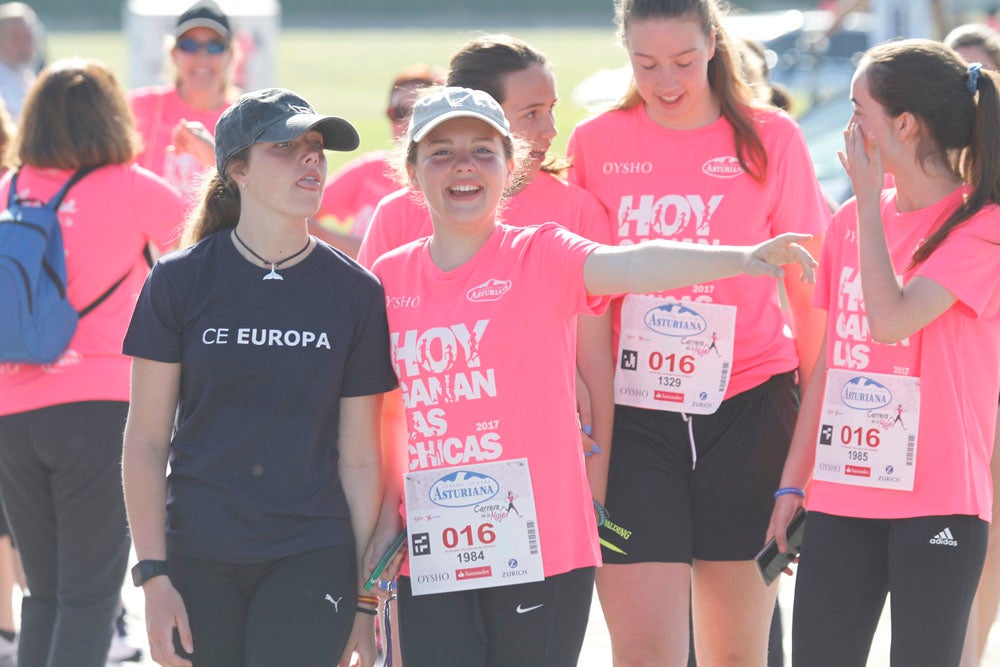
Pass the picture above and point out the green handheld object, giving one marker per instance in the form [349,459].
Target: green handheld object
[386,557]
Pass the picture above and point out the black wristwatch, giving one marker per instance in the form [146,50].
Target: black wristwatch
[145,570]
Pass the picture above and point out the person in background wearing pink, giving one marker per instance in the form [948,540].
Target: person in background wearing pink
[699,440]
[910,279]
[457,302]
[354,190]
[978,43]
[61,424]
[177,120]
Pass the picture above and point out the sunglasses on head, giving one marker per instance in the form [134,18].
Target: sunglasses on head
[399,112]
[214,47]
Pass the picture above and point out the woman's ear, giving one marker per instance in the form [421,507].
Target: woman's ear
[411,172]
[907,126]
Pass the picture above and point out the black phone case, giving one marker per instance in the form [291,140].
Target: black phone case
[770,561]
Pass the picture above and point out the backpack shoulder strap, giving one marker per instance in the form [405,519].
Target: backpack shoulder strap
[12,193]
[73,180]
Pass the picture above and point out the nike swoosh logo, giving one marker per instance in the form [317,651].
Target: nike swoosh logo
[525,610]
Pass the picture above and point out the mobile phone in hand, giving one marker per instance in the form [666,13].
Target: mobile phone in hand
[770,561]
[396,545]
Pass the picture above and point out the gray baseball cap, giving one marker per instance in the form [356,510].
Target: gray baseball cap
[450,102]
[276,114]
[203,14]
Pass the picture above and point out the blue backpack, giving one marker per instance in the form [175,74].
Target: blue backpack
[36,319]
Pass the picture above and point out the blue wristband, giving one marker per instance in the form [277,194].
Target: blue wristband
[790,491]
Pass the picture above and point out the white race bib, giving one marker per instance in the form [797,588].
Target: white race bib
[674,355]
[868,430]
[472,527]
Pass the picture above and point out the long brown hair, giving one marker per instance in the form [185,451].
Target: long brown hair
[958,113]
[76,116]
[735,96]
[483,62]
[218,204]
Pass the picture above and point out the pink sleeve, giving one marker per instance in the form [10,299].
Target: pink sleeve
[799,204]
[564,254]
[378,238]
[832,248]
[967,263]
[162,208]
[340,193]
[576,174]
[595,223]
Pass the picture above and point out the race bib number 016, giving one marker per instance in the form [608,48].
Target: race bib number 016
[868,430]
[674,355]
[472,527]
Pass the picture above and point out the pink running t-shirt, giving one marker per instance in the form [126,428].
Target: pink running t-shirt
[486,363]
[403,217]
[957,357]
[352,193]
[107,219]
[688,186]
[157,110]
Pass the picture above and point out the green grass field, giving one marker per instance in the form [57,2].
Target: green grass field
[347,72]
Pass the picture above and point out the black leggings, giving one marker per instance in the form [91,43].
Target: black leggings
[540,624]
[297,610]
[60,474]
[930,565]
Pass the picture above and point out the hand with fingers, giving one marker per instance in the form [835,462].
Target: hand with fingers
[862,161]
[165,617]
[768,257]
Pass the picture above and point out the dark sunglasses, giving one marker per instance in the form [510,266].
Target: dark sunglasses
[214,47]
[399,112]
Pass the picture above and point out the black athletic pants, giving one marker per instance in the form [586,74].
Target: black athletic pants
[929,565]
[60,476]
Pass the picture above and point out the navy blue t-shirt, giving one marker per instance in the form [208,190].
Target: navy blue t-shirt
[253,466]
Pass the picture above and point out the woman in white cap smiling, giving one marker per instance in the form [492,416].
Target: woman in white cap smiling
[259,358]
[482,318]
[177,120]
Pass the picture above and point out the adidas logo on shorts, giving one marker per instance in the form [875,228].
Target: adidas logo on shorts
[945,537]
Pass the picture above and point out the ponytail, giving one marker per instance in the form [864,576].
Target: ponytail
[218,205]
[979,163]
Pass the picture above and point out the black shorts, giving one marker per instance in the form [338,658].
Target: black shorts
[541,624]
[662,510]
[930,565]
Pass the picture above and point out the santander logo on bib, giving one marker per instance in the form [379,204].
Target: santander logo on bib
[491,290]
[864,393]
[726,166]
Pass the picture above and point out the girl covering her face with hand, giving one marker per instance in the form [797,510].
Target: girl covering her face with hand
[897,425]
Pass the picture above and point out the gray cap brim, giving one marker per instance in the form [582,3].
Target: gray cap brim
[338,134]
[422,131]
[214,26]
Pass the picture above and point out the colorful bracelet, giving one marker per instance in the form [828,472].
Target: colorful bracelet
[790,491]
[366,610]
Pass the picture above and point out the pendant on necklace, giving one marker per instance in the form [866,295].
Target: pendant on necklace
[273,275]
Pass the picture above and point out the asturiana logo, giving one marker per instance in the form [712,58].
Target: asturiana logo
[675,319]
[864,393]
[463,488]
[726,166]
[491,290]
